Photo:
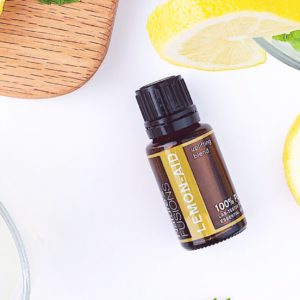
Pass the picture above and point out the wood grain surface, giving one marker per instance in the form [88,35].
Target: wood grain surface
[50,50]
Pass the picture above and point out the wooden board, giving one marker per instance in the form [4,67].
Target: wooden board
[50,50]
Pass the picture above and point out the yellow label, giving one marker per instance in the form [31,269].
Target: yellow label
[186,188]
[187,193]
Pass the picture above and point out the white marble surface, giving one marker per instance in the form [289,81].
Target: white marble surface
[74,176]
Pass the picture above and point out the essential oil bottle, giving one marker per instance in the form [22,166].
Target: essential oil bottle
[188,165]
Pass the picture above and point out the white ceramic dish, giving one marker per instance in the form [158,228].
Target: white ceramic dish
[282,51]
[14,267]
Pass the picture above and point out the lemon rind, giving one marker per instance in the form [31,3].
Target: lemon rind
[288,159]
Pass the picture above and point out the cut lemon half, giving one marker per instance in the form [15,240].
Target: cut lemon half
[291,159]
[218,34]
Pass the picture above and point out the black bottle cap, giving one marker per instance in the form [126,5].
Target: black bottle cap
[166,106]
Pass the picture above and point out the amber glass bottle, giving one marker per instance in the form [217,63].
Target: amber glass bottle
[188,165]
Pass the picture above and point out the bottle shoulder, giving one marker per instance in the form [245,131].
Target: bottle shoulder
[181,137]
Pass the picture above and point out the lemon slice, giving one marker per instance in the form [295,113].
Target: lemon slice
[218,34]
[1,6]
[291,159]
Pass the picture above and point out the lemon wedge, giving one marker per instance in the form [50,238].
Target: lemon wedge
[291,159]
[218,34]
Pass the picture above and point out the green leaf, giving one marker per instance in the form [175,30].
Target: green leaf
[293,38]
[58,2]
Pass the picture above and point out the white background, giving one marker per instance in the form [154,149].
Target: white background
[74,176]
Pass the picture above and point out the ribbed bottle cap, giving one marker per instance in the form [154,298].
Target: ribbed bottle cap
[166,106]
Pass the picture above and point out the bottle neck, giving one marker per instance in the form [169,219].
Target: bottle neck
[172,124]
[177,134]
